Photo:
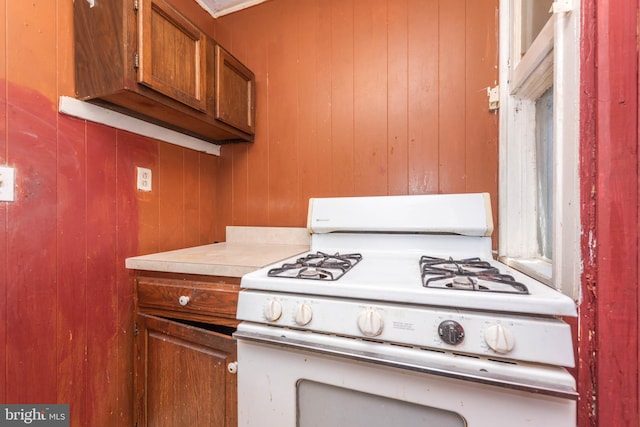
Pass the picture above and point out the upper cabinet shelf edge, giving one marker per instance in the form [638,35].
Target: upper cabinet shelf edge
[148,59]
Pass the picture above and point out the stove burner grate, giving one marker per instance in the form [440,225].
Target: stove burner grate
[471,274]
[318,266]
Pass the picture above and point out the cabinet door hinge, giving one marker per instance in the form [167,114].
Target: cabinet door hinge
[136,61]
[135,329]
[135,5]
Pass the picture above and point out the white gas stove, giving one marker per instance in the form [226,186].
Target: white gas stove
[415,273]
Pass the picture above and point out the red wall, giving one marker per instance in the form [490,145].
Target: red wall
[609,332]
[65,296]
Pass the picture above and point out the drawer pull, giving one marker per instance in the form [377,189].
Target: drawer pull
[183,300]
[232,367]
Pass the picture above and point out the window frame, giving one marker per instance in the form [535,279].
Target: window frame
[553,58]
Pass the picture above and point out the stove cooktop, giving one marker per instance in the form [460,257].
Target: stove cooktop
[317,266]
[469,274]
[413,278]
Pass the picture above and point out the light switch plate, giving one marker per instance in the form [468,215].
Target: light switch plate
[7,184]
[144,179]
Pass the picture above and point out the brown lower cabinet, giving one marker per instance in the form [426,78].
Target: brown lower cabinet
[184,369]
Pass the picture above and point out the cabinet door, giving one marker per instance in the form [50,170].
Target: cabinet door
[172,57]
[182,377]
[235,92]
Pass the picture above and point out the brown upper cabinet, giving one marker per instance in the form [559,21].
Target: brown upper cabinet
[234,82]
[148,59]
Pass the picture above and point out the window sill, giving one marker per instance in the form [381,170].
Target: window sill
[539,269]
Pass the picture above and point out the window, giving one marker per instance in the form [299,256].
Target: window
[539,213]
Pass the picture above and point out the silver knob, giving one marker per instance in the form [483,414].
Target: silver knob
[183,300]
[232,367]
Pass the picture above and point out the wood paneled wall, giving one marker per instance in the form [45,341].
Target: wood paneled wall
[66,299]
[354,98]
[360,97]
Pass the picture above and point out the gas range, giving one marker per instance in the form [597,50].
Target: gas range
[413,271]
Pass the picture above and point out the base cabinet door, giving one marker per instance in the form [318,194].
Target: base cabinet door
[184,375]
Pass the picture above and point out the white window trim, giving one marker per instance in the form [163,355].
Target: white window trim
[517,208]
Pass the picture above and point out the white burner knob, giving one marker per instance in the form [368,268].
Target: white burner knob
[370,322]
[273,310]
[499,338]
[303,314]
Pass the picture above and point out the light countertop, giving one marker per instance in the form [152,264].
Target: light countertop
[247,249]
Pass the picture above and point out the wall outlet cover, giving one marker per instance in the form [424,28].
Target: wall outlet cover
[7,184]
[144,179]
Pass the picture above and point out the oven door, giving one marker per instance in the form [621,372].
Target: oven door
[292,378]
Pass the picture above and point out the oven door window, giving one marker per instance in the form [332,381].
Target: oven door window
[322,405]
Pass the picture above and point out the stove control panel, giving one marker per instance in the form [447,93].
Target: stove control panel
[500,335]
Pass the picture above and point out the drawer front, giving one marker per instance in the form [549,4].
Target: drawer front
[188,298]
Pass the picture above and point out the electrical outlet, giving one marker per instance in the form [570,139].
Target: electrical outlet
[144,179]
[7,184]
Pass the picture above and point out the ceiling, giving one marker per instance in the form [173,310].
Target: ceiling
[219,8]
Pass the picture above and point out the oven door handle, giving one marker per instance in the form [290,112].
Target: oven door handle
[434,363]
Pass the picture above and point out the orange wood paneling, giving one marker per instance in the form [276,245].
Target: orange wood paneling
[452,151]
[340,178]
[31,45]
[208,196]
[321,160]
[423,50]
[312,151]
[398,95]
[225,194]
[257,190]
[239,181]
[66,69]
[370,101]
[284,150]
[383,97]
[191,195]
